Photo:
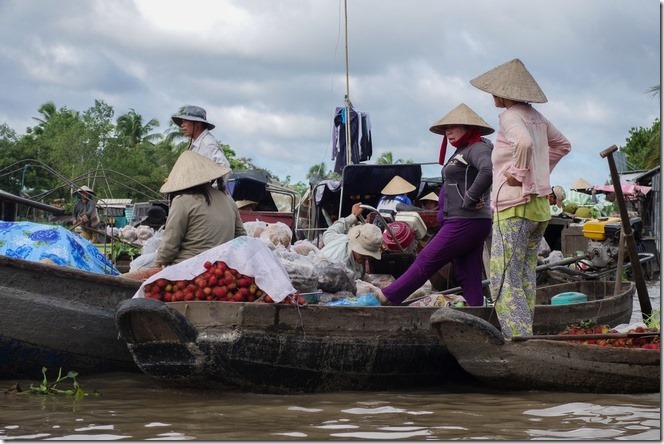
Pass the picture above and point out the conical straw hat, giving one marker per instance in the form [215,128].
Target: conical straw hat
[461,115]
[398,185]
[192,169]
[431,196]
[580,184]
[85,189]
[244,203]
[511,81]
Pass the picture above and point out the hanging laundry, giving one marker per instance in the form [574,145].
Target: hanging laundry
[360,138]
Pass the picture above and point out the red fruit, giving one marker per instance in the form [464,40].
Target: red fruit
[207,291]
[199,294]
[219,292]
[168,296]
[212,281]
[301,300]
[200,282]
[639,329]
[221,265]
[238,297]
[161,282]
[178,295]
[207,265]
[189,296]
[268,299]
[228,279]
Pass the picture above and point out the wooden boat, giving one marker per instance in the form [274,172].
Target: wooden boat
[544,364]
[277,348]
[60,317]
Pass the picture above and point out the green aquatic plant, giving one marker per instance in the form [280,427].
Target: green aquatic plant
[50,388]
[652,321]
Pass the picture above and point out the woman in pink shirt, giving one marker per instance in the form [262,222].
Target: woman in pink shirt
[526,150]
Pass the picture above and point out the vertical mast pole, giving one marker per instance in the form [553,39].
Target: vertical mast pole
[347,103]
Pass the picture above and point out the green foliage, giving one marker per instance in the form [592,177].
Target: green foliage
[642,147]
[121,249]
[387,158]
[653,321]
[50,388]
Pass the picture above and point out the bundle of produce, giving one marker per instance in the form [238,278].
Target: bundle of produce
[637,336]
[247,260]
[218,282]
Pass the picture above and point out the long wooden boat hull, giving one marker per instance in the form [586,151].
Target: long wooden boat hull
[278,348]
[541,364]
[59,317]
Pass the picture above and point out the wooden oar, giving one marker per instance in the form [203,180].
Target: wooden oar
[639,280]
[586,337]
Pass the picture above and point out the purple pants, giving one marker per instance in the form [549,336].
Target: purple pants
[458,240]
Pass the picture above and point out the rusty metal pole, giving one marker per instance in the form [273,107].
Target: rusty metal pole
[644,299]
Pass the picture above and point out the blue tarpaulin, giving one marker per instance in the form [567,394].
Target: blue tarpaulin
[36,242]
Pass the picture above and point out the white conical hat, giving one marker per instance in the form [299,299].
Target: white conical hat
[398,185]
[461,115]
[244,203]
[511,81]
[85,189]
[192,169]
[431,196]
[580,184]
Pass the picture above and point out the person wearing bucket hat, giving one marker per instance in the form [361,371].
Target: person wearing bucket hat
[85,214]
[193,122]
[350,244]
[464,214]
[527,149]
[200,216]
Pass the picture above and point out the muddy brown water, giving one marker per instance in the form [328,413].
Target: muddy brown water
[133,407]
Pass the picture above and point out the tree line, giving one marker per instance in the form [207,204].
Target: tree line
[124,157]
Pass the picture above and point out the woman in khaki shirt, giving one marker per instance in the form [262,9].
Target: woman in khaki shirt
[200,216]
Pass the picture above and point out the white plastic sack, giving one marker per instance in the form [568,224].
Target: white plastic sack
[247,255]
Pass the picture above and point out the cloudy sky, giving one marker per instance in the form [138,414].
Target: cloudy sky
[270,72]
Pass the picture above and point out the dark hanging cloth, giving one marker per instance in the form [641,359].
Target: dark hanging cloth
[360,138]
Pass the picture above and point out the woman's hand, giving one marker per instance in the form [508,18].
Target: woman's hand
[383,299]
[511,181]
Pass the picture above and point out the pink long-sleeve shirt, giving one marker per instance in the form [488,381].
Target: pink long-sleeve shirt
[528,147]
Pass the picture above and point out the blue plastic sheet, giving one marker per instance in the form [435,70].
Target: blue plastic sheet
[365,300]
[35,242]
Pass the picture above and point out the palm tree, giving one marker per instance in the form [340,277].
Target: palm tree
[388,159]
[130,126]
[47,110]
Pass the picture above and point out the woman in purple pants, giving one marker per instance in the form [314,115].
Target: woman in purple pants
[464,213]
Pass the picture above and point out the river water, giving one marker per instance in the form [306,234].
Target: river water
[133,407]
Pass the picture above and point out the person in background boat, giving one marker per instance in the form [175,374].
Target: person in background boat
[555,199]
[527,149]
[193,122]
[428,202]
[85,214]
[248,205]
[464,215]
[201,216]
[351,244]
[395,196]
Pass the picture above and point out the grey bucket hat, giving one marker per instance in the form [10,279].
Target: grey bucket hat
[194,114]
